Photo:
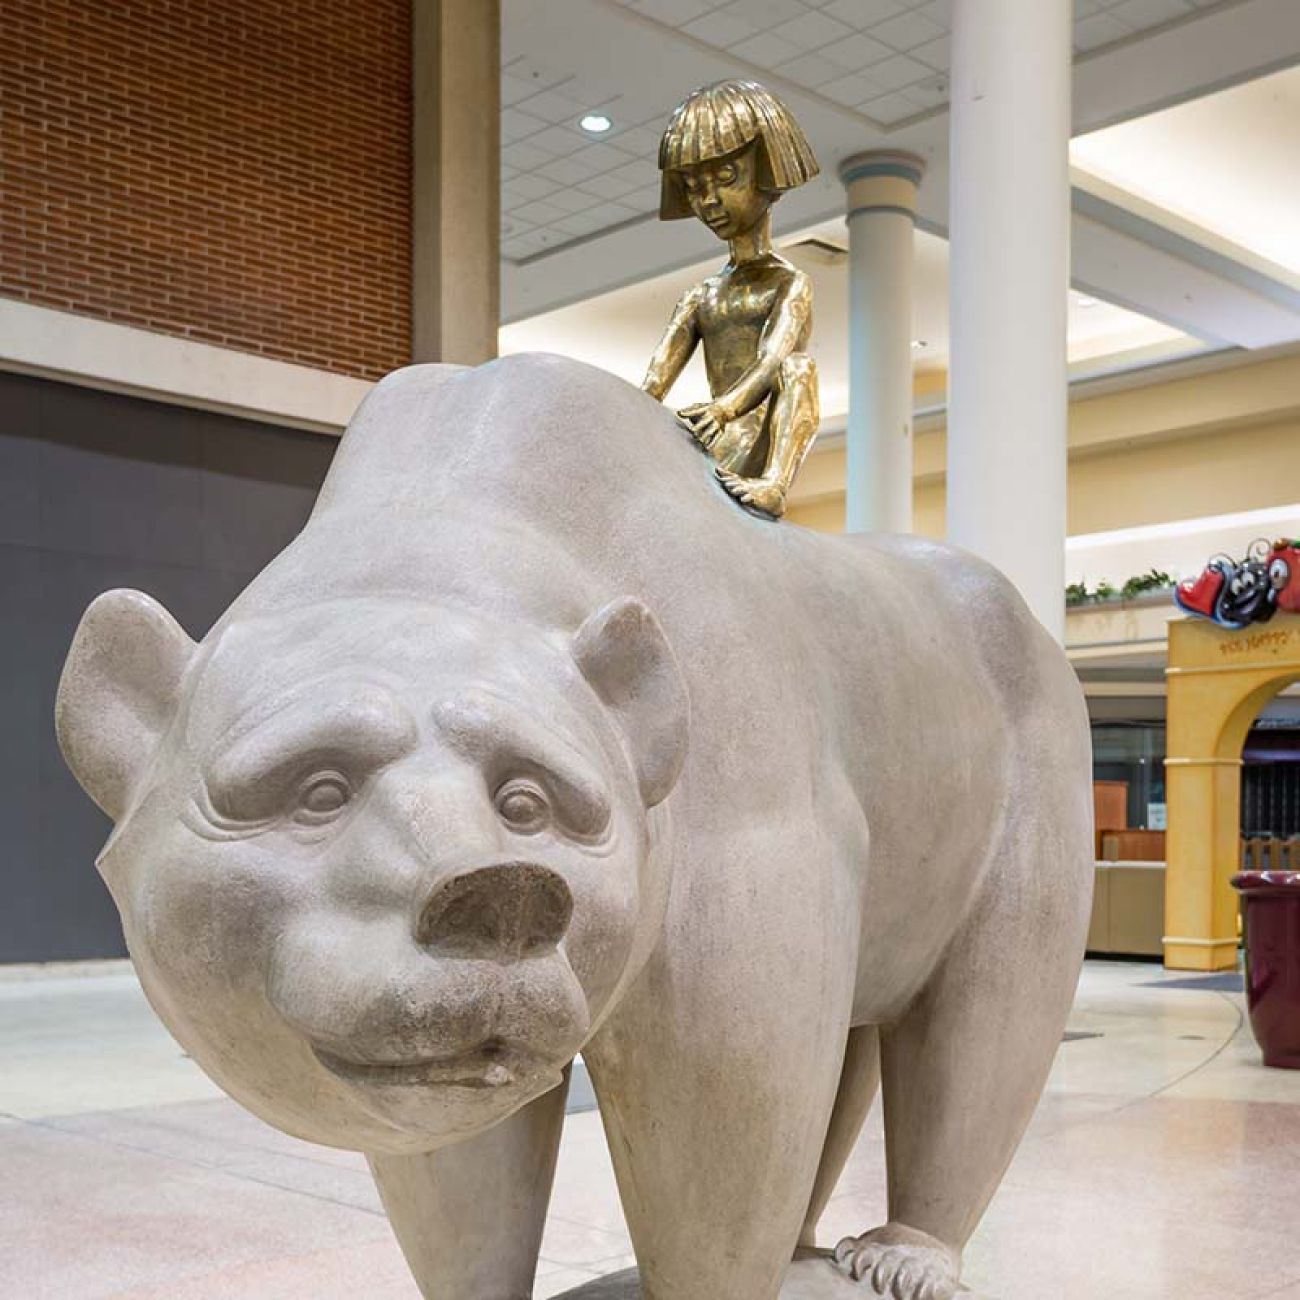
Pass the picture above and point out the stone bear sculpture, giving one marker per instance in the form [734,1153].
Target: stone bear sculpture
[533,742]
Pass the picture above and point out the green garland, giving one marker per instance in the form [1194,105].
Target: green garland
[1078,593]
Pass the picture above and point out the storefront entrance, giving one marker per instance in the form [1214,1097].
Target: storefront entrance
[1218,683]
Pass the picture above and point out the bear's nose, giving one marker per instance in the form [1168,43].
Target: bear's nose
[512,910]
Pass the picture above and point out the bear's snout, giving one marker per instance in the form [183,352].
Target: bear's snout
[506,911]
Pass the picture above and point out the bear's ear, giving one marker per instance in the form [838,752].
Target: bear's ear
[118,692]
[623,653]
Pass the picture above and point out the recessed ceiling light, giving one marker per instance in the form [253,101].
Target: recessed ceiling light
[919,343]
[596,123]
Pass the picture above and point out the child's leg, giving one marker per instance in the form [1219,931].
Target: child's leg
[793,425]
[742,443]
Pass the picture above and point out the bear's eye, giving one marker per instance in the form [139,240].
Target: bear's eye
[322,796]
[523,807]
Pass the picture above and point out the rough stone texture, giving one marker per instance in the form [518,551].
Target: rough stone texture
[534,741]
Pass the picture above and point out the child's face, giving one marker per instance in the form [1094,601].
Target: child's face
[724,194]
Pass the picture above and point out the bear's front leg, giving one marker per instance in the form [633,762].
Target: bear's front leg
[717,1074]
[469,1217]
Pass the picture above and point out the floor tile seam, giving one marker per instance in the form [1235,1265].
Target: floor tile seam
[1218,1051]
[1173,1083]
[46,1126]
[52,1122]
[593,1264]
[299,1191]
[582,1223]
[190,1163]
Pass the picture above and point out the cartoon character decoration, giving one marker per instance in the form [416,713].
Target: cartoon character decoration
[1235,595]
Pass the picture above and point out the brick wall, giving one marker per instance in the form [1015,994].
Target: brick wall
[235,171]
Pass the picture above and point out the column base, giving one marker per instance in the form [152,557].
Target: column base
[1200,954]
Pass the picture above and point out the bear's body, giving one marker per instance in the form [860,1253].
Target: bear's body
[876,857]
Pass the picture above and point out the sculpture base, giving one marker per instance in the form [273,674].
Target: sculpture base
[810,1277]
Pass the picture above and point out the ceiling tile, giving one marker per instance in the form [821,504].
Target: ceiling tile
[587,223]
[525,155]
[938,11]
[936,54]
[675,13]
[1142,14]
[813,30]
[513,89]
[888,108]
[811,70]
[566,171]
[907,31]
[927,94]
[542,78]
[526,245]
[851,90]
[539,212]
[569,199]
[600,158]
[516,125]
[1100,29]
[856,52]
[607,187]
[767,13]
[899,71]
[528,186]
[720,29]
[640,141]
[559,140]
[862,13]
[550,105]
[766,49]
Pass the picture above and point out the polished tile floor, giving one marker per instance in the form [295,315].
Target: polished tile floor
[1164,1161]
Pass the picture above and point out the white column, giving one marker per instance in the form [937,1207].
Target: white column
[456,169]
[881,186]
[1009,227]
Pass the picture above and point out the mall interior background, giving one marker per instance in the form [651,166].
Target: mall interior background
[212,221]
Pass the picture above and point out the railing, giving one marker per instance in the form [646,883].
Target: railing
[1266,853]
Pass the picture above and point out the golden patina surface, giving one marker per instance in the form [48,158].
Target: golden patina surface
[728,154]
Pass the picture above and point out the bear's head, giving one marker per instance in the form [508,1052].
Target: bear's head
[382,867]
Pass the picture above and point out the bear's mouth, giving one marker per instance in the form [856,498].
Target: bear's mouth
[490,1065]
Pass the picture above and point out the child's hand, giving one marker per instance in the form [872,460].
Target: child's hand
[705,420]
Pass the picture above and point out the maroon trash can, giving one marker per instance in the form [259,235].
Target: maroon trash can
[1271,904]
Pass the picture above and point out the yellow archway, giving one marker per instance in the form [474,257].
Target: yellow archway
[1218,682]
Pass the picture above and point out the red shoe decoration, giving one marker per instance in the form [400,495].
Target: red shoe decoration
[1199,595]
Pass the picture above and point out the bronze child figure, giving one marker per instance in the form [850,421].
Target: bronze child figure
[729,152]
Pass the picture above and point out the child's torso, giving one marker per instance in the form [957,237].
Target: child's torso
[734,310]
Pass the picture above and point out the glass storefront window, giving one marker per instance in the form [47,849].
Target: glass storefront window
[1133,752]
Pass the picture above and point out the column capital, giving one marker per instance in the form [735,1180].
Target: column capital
[882,180]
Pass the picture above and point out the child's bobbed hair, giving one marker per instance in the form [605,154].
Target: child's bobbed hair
[720,119]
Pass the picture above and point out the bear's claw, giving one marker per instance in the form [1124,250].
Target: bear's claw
[900,1263]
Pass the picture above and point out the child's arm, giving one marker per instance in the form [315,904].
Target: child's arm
[786,328]
[675,348]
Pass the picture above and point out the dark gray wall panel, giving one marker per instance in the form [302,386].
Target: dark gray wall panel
[98,491]
[19,461]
